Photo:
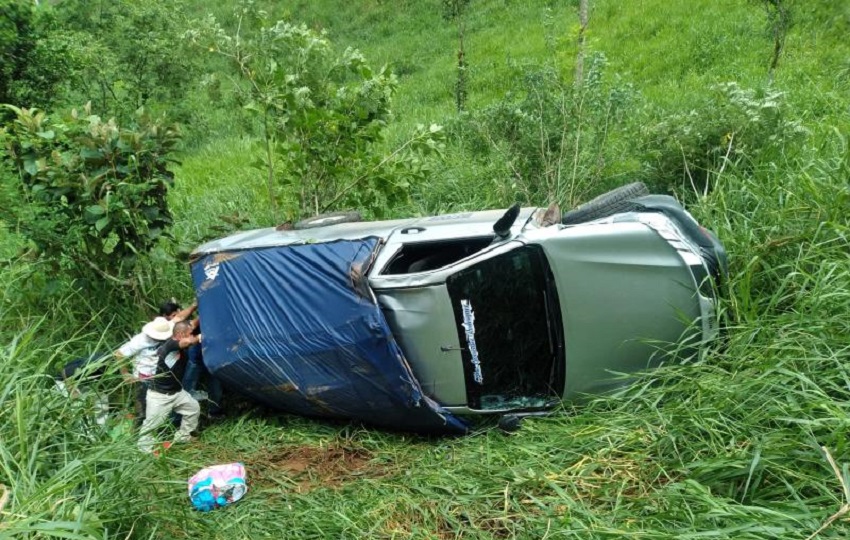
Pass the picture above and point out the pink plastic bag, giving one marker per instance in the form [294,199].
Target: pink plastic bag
[218,485]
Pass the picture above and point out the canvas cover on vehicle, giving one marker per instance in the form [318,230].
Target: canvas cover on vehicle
[297,328]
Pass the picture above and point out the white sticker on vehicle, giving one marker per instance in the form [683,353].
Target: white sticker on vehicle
[211,271]
[469,327]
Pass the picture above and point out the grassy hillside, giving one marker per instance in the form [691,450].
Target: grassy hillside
[671,51]
[661,66]
[748,441]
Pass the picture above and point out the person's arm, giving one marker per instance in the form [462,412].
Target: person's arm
[187,342]
[184,314]
[124,355]
[122,366]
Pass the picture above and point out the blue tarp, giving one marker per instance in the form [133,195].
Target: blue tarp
[297,328]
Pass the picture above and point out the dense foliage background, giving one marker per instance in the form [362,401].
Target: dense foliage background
[137,130]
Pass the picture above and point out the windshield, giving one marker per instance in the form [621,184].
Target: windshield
[509,326]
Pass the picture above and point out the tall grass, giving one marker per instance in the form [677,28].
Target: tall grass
[64,475]
[734,444]
[218,191]
[671,51]
[738,443]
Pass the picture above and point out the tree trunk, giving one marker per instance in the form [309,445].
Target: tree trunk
[460,84]
[781,22]
[582,26]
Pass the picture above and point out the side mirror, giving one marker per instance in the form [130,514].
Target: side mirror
[502,227]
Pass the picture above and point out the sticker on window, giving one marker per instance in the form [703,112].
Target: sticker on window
[469,328]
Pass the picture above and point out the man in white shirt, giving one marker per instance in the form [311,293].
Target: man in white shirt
[141,350]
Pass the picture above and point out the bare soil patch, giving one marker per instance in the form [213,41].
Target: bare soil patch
[311,467]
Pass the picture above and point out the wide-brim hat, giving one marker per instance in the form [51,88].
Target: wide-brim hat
[159,329]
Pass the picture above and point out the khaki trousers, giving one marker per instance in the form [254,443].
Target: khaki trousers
[158,411]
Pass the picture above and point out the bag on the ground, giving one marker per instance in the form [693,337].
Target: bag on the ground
[218,485]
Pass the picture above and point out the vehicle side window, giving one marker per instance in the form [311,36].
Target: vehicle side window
[425,256]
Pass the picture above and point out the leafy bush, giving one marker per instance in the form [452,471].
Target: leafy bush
[322,117]
[731,124]
[131,55]
[35,58]
[554,138]
[90,195]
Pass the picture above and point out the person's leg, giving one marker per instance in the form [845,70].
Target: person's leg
[190,410]
[101,407]
[140,406]
[159,406]
[194,365]
[216,394]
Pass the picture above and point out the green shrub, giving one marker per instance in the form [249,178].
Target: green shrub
[131,55]
[89,195]
[35,55]
[322,115]
[730,124]
[556,141]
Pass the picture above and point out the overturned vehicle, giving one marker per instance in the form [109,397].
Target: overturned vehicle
[416,324]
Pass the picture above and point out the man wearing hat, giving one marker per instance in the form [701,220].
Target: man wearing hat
[141,350]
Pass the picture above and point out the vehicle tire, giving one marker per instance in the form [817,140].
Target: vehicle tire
[323,220]
[510,423]
[607,204]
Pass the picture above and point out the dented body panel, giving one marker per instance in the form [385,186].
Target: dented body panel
[452,318]
[292,328]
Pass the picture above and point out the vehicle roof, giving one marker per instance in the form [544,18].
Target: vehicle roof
[456,224]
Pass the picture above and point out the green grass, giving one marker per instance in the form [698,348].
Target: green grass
[734,444]
[217,190]
[666,56]
[671,51]
[730,445]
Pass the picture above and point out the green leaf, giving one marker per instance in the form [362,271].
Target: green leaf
[101,223]
[93,213]
[49,134]
[91,155]
[253,107]
[110,243]
[31,167]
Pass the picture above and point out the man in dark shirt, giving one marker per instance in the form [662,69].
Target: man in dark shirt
[165,393]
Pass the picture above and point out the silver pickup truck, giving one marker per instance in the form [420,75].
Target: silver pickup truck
[515,310]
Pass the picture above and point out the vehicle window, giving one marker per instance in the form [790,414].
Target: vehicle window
[509,326]
[424,256]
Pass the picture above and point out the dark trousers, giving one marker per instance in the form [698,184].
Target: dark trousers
[195,369]
[140,402]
